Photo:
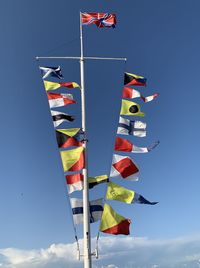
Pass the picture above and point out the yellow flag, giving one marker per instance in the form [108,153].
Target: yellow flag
[97,178]
[74,85]
[135,76]
[113,223]
[130,108]
[93,181]
[119,193]
[51,85]
[73,160]
[69,131]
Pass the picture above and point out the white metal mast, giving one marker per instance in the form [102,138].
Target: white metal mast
[86,214]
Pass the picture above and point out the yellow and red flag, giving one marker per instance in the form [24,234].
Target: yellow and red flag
[73,160]
[113,223]
[53,85]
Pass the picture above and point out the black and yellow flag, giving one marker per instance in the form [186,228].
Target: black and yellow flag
[134,80]
[93,181]
[130,108]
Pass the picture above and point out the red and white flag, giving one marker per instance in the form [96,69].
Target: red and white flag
[131,93]
[124,167]
[101,20]
[74,182]
[124,145]
[59,99]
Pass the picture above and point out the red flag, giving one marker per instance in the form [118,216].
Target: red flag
[124,167]
[74,182]
[131,93]
[59,99]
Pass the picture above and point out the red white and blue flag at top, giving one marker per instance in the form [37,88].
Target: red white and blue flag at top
[101,20]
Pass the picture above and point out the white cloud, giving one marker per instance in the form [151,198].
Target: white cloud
[115,252]
[111,266]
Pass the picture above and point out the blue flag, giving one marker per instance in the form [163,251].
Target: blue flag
[51,71]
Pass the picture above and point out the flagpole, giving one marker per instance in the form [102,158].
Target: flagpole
[86,219]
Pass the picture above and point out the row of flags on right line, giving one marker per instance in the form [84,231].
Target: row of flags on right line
[123,166]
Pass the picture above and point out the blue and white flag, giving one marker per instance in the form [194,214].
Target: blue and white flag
[51,71]
[129,127]
[96,209]
[141,200]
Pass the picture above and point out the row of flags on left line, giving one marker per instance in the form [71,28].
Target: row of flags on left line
[70,142]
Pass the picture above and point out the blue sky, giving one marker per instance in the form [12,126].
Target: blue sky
[161,41]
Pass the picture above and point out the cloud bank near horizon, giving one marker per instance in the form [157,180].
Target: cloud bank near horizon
[115,252]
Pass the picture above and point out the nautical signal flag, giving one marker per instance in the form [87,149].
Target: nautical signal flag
[59,118]
[73,160]
[119,193]
[124,145]
[74,182]
[95,210]
[113,223]
[51,71]
[101,20]
[124,167]
[52,85]
[77,210]
[134,80]
[129,127]
[69,137]
[130,108]
[93,181]
[131,93]
[59,99]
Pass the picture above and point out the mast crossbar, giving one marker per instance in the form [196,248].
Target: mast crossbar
[79,58]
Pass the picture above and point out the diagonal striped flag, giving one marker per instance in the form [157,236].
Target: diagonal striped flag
[51,71]
[69,137]
[114,223]
[124,167]
[134,80]
[73,160]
